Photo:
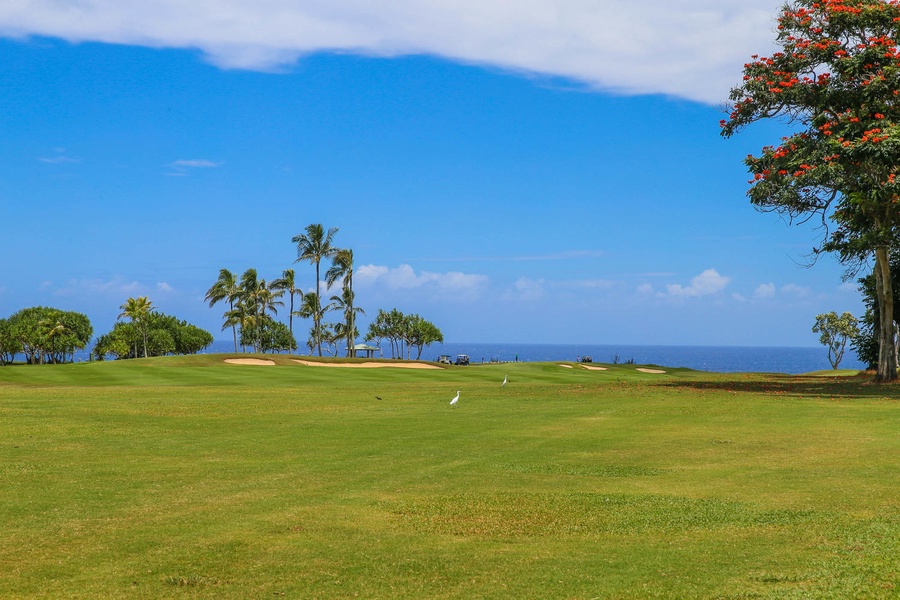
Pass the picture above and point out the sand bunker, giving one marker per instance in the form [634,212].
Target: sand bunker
[249,361]
[566,366]
[593,368]
[367,365]
[653,371]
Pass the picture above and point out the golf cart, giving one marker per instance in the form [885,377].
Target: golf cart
[444,359]
[462,359]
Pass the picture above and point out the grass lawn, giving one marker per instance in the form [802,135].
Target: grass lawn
[191,478]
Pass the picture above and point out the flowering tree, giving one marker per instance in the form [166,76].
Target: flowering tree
[836,82]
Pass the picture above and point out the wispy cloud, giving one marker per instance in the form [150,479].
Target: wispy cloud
[796,290]
[59,157]
[194,164]
[115,287]
[182,167]
[692,49]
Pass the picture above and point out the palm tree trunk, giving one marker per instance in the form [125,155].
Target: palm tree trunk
[233,326]
[291,322]
[350,338]
[318,319]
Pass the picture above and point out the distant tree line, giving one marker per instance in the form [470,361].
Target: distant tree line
[149,333]
[44,335]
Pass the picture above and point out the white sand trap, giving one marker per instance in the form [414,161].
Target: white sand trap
[566,366]
[594,368]
[367,365]
[250,361]
[652,371]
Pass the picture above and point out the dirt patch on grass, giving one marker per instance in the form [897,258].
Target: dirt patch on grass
[250,361]
[594,368]
[566,366]
[367,365]
[652,371]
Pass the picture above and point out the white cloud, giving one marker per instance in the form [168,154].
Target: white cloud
[692,49]
[453,284]
[162,286]
[706,283]
[529,289]
[764,290]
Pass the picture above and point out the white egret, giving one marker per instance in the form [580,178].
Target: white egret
[455,398]
[505,380]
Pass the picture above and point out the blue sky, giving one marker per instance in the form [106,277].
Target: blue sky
[512,180]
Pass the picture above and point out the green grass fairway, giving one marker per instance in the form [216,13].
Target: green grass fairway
[191,478]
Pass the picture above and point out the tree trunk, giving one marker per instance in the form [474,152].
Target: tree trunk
[887,356]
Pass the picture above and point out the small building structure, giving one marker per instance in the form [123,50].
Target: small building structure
[366,351]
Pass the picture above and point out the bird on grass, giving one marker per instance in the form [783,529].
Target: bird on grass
[378,397]
[455,398]
[505,380]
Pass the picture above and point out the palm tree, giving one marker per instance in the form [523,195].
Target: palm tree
[313,246]
[310,307]
[138,309]
[344,304]
[257,298]
[287,284]
[342,268]
[225,288]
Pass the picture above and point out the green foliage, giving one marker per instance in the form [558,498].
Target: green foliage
[409,331]
[44,335]
[835,331]
[269,335]
[163,335]
[9,346]
[419,333]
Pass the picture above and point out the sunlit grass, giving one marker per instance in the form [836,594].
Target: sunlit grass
[191,478]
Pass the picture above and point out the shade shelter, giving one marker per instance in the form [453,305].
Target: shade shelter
[366,350]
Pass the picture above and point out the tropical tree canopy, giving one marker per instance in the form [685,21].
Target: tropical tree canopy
[836,81]
[165,334]
[44,335]
[138,310]
[403,331]
[225,289]
[835,331]
[286,284]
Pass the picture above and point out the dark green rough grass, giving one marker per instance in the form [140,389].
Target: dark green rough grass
[186,477]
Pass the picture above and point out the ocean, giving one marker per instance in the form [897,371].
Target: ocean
[721,359]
